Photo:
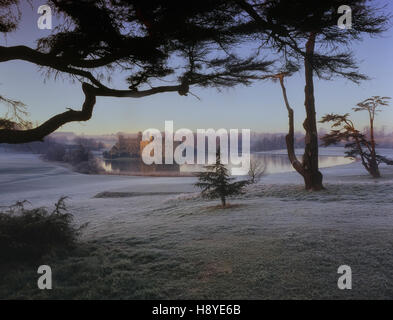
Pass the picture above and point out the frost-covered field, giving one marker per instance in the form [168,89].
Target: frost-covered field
[151,237]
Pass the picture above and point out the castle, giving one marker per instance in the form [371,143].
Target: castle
[132,147]
[127,147]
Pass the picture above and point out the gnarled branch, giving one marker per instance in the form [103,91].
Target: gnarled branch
[91,93]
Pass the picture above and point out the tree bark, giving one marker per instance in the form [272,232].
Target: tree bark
[51,125]
[373,164]
[14,136]
[223,202]
[312,176]
[374,170]
[290,137]
[301,168]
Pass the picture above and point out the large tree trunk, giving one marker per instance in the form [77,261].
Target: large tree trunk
[374,170]
[311,174]
[308,168]
[373,164]
[290,137]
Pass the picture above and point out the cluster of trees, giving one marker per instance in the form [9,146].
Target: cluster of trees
[274,142]
[79,156]
[91,144]
[266,142]
[143,38]
[78,152]
[31,147]
[51,142]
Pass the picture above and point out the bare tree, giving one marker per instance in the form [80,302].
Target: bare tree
[256,171]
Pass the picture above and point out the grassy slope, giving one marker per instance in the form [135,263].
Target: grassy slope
[281,242]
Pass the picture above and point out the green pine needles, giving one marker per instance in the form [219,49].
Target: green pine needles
[216,182]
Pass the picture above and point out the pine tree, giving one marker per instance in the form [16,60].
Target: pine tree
[97,41]
[216,182]
[358,144]
[304,35]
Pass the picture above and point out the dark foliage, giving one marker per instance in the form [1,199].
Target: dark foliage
[29,234]
[216,182]
[9,15]
[163,46]
[82,160]
[358,144]
[286,26]
[305,33]
[55,152]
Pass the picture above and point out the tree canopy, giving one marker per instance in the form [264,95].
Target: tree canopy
[217,183]
[286,26]
[172,45]
[358,144]
[165,46]
[306,33]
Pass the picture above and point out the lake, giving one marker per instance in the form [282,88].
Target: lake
[273,163]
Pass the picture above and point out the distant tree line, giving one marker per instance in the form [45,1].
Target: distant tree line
[79,156]
[263,142]
[77,152]
[266,142]
[42,147]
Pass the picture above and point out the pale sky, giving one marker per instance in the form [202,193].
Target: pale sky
[259,107]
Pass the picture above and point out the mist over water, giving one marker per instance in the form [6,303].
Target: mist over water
[273,163]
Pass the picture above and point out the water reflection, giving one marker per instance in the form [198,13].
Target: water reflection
[273,163]
[136,166]
[276,163]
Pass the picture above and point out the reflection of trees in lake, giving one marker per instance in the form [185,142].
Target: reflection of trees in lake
[280,163]
[137,165]
[273,163]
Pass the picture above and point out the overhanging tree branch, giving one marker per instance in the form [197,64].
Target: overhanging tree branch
[91,93]
[43,59]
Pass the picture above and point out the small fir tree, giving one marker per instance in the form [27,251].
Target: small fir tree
[216,182]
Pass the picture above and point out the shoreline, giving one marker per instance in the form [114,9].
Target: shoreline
[151,174]
[190,174]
